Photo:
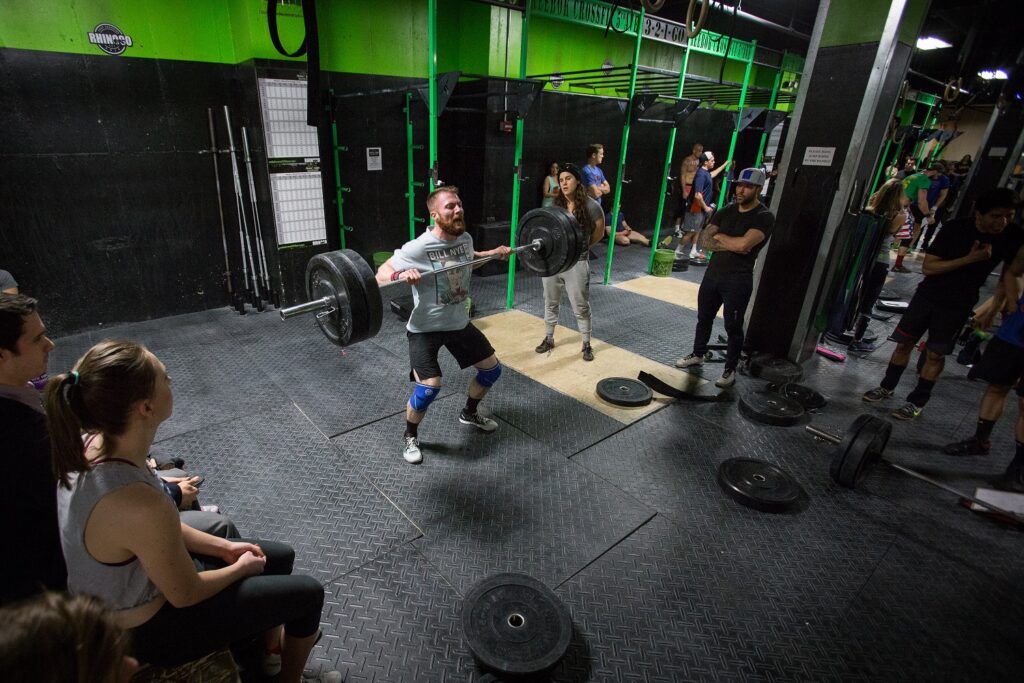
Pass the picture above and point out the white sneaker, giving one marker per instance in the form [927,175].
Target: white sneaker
[412,453]
[479,421]
[727,379]
[690,361]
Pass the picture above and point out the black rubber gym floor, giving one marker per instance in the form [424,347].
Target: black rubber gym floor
[666,578]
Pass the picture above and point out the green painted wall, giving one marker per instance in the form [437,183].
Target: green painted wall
[388,38]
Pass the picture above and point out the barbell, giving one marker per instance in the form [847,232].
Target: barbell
[346,297]
[863,444]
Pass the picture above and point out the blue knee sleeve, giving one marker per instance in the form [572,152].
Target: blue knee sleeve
[487,378]
[422,397]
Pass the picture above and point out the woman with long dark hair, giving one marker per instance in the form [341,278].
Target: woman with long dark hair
[575,282]
[123,539]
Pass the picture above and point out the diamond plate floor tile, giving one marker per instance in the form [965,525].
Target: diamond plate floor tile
[394,619]
[549,527]
[563,424]
[279,479]
[461,466]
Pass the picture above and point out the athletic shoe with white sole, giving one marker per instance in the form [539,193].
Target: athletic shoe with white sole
[477,420]
[411,453]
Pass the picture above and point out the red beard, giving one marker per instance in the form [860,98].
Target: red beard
[453,227]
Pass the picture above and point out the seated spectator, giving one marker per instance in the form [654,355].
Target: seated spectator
[56,638]
[597,185]
[126,544]
[31,515]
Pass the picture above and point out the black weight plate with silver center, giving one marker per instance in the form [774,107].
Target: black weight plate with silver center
[363,286]
[759,485]
[562,243]
[324,278]
[864,451]
[843,447]
[770,408]
[774,369]
[516,625]
[801,393]
[622,391]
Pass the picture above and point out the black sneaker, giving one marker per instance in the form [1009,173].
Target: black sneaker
[971,446]
[588,353]
[907,412]
[546,345]
[1011,480]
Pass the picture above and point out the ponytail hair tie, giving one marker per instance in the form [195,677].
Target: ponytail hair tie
[74,377]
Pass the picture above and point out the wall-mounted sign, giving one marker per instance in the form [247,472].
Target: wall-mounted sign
[374,161]
[819,156]
[110,39]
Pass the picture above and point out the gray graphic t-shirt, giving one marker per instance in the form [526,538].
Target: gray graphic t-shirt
[439,299]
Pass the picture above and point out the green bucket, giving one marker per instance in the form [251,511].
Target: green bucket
[663,259]
[379,257]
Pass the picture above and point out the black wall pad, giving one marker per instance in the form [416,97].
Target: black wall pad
[279,479]
[462,466]
[551,527]
[394,619]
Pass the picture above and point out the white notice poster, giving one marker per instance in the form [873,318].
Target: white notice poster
[819,156]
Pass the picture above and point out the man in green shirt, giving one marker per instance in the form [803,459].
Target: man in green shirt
[915,187]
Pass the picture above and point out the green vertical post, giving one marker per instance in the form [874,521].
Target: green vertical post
[622,151]
[739,113]
[881,166]
[771,105]
[517,171]
[335,148]
[432,90]
[668,164]
[411,183]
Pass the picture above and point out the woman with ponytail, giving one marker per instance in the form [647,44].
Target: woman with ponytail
[123,539]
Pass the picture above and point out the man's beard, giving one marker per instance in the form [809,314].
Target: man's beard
[454,227]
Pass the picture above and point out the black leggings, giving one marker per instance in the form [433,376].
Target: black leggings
[732,294]
[245,608]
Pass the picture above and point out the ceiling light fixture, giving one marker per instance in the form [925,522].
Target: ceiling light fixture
[997,75]
[931,43]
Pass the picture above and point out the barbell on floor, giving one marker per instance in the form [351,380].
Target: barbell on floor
[346,297]
[863,444]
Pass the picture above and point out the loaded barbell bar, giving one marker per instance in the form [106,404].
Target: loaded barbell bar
[328,301]
[862,446]
[346,297]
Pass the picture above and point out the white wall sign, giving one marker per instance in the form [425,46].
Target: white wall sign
[998,152]
[819,156]
[374,161]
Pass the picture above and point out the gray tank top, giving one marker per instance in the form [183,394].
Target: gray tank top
[123,585]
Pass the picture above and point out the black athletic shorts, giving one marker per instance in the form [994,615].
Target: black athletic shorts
[469,346]
[941,321]
[1001,364]
[916,212]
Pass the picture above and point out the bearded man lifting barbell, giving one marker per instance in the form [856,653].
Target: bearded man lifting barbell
[439,315]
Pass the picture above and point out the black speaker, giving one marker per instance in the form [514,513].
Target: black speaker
[487,236]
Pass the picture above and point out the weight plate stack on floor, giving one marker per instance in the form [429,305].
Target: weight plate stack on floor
[622,391]
[861,447]
[759,485]
[801,393]
[770,408]
[774,369]
[515,625]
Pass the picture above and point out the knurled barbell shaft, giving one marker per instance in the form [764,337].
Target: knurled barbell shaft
[327,301]
[823,434]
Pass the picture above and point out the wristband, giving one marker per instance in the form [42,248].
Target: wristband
[396,275]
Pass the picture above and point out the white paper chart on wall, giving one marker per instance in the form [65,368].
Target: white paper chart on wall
[284,119]
[298,207]
[293,162]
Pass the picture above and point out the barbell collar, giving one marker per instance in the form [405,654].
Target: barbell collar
[823,434]
[307,307]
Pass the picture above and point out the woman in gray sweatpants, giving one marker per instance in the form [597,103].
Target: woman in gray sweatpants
[575,282]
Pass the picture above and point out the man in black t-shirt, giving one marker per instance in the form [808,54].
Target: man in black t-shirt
[955,267]
[736,234]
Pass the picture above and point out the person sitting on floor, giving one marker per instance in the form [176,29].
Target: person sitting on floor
[125,543]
